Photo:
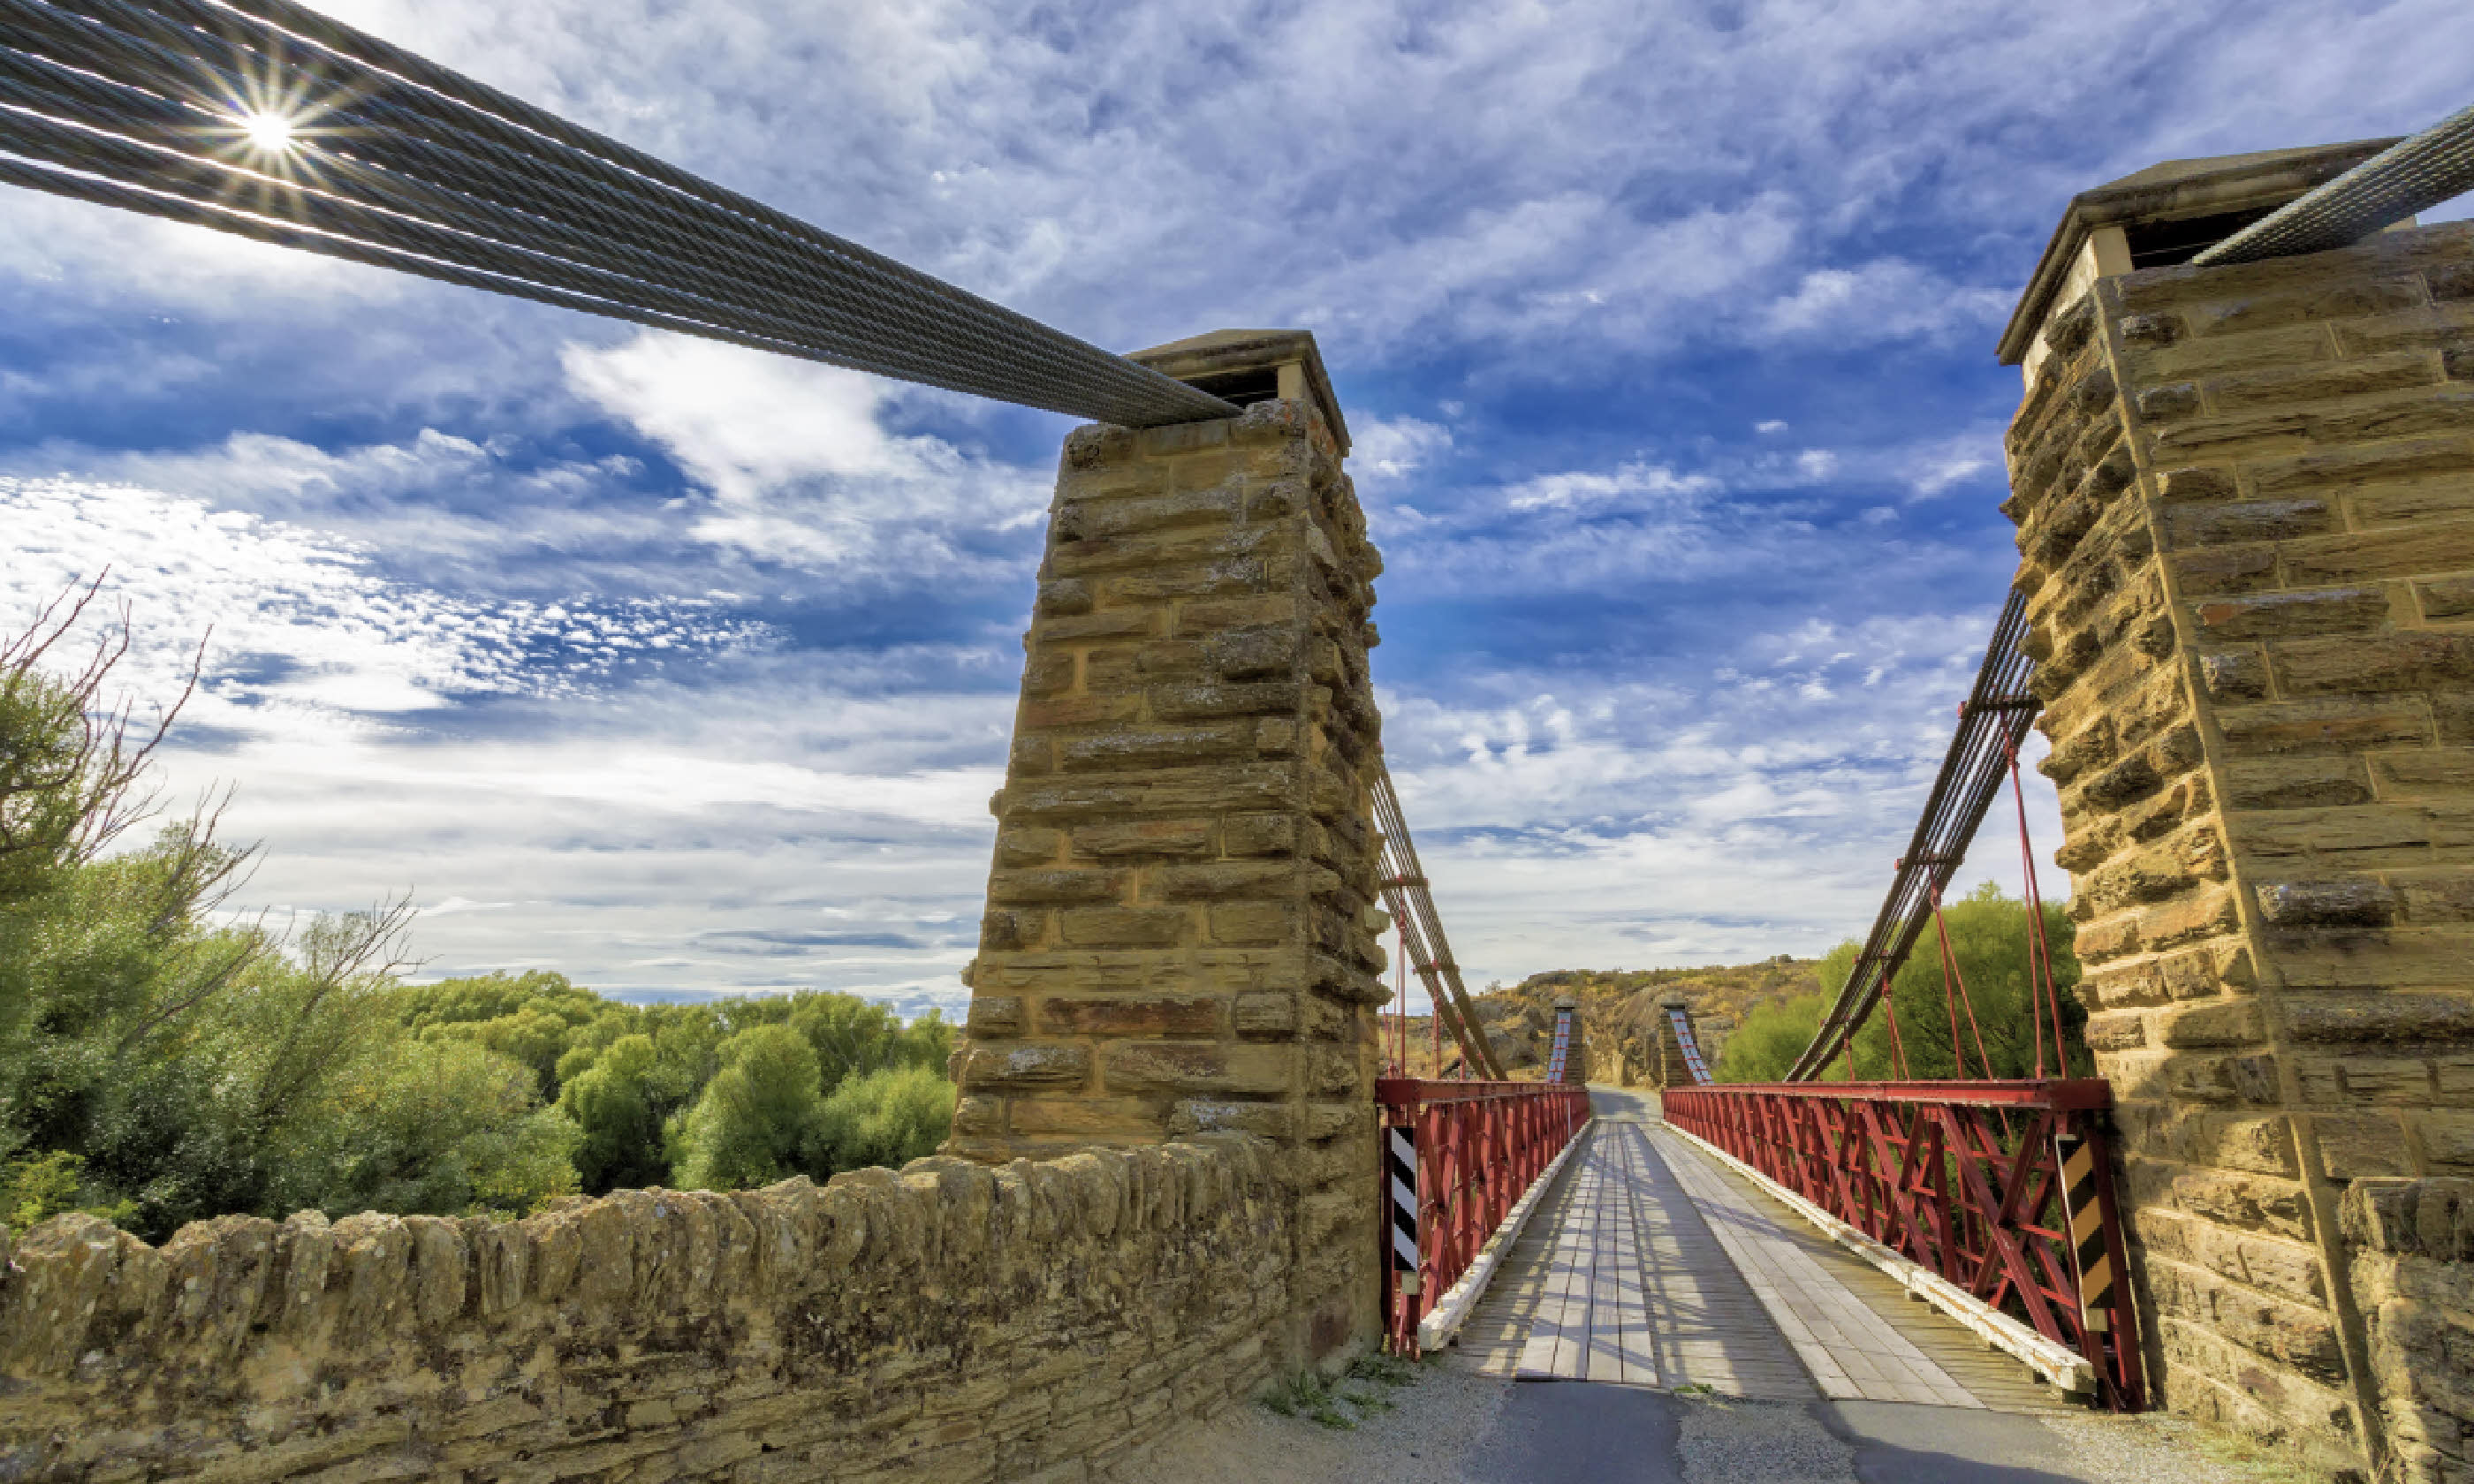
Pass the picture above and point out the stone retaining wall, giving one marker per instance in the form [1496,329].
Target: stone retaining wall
[952,1322]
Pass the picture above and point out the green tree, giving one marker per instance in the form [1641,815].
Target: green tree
[889,1116]
[1989,938]
[536,1017]
[441,1126]
[757,1120]
[162,1066]
[620,1103]
[1772,1036]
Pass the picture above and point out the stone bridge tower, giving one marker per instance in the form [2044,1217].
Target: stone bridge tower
[1182,920]
[2246,508]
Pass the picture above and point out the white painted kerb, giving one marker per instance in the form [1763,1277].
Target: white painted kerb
[2055,1361]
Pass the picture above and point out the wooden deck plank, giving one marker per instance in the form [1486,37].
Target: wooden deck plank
[1623,1278]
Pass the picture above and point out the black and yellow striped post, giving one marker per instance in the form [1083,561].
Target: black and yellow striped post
[2074,1156]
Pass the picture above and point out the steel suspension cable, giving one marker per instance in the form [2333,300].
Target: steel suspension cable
[1406,892]
[2040,952]
[393,160]
[1952,977]
[2408,177]
[1990,725]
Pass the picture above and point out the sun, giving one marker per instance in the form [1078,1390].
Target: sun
[268,132]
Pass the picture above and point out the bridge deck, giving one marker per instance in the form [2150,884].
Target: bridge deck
[1652,1265]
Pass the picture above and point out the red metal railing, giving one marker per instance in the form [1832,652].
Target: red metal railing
[1965,1179]
[1478,1146]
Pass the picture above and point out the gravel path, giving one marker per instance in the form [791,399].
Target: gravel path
[1450,1427]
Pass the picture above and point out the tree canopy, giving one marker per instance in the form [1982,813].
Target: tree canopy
[1989,938]
[164,1060]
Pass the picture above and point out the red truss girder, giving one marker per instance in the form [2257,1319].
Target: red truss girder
[1961,1178]
[1480,1145]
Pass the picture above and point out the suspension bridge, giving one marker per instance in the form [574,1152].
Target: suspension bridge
[1198,826]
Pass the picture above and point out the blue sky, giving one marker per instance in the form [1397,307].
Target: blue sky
[1666,330]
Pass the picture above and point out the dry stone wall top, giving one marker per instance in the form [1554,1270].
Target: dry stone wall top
[948,1321]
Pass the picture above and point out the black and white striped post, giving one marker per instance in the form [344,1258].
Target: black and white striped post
[1400,1168]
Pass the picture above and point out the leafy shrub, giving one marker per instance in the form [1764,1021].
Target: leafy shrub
[890,1116]
[757,1120]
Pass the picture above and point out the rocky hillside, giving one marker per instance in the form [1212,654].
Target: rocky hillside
[1619,1008]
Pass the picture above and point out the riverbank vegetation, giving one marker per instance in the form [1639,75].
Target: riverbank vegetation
[165,1057]
[1989,936]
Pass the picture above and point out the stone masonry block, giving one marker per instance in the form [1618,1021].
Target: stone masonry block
[2446,1139]
[2199,482]
[1085,1119]
[2294,614]
[2387,1018]
[2304,306]
[997,1066]
[1000,931]
[1225,881]
[2440,328]
[1190,1067]
[1057,885]
[2209,571]
[2414,551]
[2325,726]
[2406,459]
[2363,834]
[2422,500]
[2443,893]
[1137,749]
[2446,597]
[2296,782]
[2354,1145]
[2233,1022]
[1192,703]
[2342,902]
[1267,1015]
[994,1017]
[1148,927]
[1172,838]
[1021,847]
[1260,834]
[2252,520]
[1257,654]
[2320,381]
[2252,1202]
[1131,1015]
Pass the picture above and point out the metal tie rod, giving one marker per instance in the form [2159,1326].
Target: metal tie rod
[396,161]
[2409,176]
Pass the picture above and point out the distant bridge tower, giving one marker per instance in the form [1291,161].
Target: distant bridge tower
[1678,1062]
[1568,1061]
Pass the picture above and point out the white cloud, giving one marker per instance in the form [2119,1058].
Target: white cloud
[1385,450]
[307,640]
[765,828]
[1885,299]
[800,463]
[1942,464]
[1626,484]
